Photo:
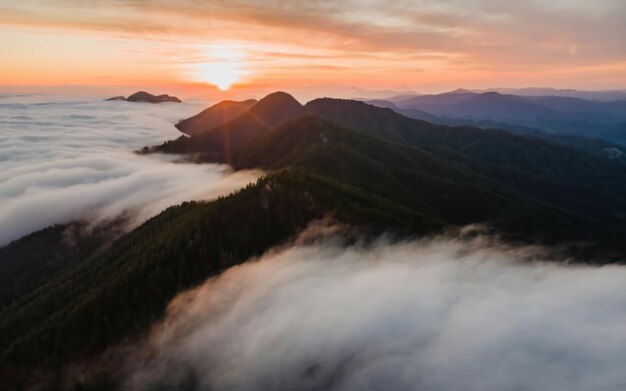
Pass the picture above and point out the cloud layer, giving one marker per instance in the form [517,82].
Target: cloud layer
[63,159]
[441,314]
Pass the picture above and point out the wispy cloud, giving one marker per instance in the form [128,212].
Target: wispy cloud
[483,39]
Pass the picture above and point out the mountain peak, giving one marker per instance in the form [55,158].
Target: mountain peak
[277,108]
[491,93]
[277,98]
[460,91]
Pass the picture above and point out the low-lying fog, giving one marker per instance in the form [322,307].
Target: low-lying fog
[65,158]
[438,314]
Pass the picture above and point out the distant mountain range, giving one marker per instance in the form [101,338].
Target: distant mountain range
[606,95]
[599,95]
[552,115]
[366,167]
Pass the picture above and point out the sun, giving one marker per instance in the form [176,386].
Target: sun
[221,74]
[225,67]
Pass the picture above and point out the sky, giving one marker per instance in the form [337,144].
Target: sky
[203,47]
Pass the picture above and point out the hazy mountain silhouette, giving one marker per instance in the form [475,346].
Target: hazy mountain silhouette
[600,95]
[606,96]
[550,114]
[596,147]
[142,96]
[487,105]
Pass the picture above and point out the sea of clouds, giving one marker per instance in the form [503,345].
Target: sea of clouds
[446,313]
[71,158]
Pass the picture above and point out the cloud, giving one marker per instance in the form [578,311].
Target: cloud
[430,45]
[65,159]
[477,28]
[439,314]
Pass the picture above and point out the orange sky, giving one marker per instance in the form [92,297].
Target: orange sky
[194,48]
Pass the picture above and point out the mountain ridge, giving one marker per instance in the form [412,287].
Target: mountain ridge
[368,168]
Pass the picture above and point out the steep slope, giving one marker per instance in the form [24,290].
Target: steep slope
[33,260]
[214,116]
[219,143]
[383,122]
[435,180]
[492,146]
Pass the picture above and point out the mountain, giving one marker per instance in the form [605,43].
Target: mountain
[606,96]
[537,168]
[594,147]
[382,103]
[573,105]
[599,95]
[550,114]
[142,96]
[362,117]
[490,146]
[599,148]
[460,91]
[31,261]
[214,116]
[542,169]
[117,98]
[490,105]
[277,108]
[219,143]
[367,168]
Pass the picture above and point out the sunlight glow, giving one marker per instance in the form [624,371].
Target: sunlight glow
[225,67]
[220,74]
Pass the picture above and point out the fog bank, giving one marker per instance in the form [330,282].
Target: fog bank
[440,314]
[64,158]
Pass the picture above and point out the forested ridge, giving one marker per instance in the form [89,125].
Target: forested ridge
[409,180]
